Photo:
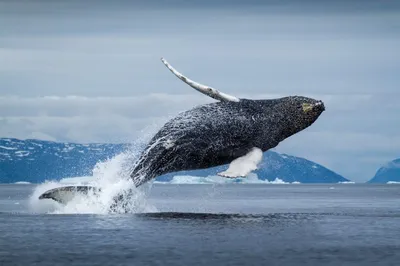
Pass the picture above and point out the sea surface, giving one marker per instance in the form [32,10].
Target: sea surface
[225,224]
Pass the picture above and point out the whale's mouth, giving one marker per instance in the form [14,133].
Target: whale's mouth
[319,106]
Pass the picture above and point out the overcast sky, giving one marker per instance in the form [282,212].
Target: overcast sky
[91,72]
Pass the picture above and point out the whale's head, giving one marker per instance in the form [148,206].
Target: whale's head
[299,112]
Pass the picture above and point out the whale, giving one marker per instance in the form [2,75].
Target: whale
[230,131]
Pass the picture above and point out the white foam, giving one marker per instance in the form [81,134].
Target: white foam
[393,182]
[346,182]
[111,176]
[22,183]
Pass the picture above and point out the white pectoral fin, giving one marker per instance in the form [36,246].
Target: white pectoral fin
[207,90]
[243,166]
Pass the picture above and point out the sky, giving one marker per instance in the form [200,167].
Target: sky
[90,71]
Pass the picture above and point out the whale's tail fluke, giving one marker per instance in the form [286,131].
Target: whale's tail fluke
[65,194]
[207,90]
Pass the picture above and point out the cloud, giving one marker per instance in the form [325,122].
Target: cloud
[295,49]
[69,106]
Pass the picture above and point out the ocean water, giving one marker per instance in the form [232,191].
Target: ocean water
[220,224]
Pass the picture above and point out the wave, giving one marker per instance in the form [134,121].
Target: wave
[346,182]
[22,183]
[393,182]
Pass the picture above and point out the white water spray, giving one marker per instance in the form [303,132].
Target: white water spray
[111,177]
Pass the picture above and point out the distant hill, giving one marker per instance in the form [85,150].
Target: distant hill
[35,161]
[388,173]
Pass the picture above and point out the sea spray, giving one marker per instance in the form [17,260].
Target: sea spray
[112,178]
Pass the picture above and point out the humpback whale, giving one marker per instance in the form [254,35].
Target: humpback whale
[231,130]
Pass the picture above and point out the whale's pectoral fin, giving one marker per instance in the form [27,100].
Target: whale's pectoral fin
[65,194]
[207,90]
[243,166]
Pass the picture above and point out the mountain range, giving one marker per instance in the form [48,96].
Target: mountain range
[36,161]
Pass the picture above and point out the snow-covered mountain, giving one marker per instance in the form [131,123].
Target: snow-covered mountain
[275,166]
[36,161]
[390,173]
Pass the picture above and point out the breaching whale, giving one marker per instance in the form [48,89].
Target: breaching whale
[232,130]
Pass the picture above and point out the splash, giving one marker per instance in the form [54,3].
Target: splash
[112,178]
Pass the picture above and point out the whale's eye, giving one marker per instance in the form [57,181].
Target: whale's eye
[306,107]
